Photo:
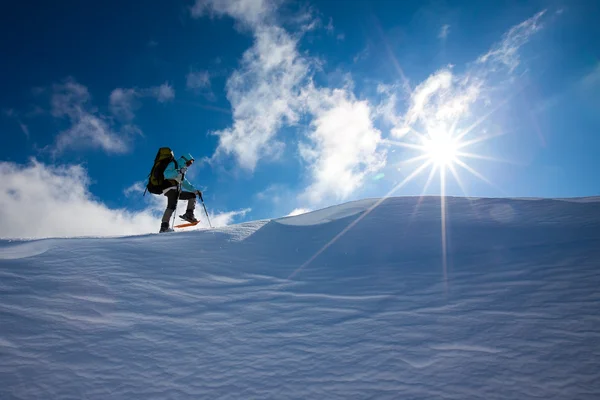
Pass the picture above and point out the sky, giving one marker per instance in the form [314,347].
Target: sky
[290,106]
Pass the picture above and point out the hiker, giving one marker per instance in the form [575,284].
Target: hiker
[168,178]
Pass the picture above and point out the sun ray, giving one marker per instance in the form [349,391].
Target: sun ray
[477,174]
[479,139]
[418,205]
[444,243]
[413,160]
[403,144]
[457,178]
[363,215]
[488,158]
[481,120]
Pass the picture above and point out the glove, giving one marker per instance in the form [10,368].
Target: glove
[199,193]
[182,170]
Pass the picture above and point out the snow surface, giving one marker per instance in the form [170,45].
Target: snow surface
[280,310]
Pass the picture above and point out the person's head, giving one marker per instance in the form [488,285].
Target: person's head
[187,159]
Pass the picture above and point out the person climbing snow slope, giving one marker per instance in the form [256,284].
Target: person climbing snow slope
[181,189]
[170,181]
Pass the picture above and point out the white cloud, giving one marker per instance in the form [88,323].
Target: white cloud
[264,94]
[69,99]
[88,128]
[298,211]
[443,99]
[439,101]
[89,131]
[38,201]
[123,103]
[436,104]
[223,219]
[248,12]
[444,32]
[344,145]
[506,52]
[163,93]
[271,89]
[387,109]
[198,80]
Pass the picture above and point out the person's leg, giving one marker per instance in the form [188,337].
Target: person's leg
[191,198]
[171,205]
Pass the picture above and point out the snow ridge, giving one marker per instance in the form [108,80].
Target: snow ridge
[213,314]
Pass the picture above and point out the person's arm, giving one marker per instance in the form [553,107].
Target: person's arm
[188,186]
[171,173]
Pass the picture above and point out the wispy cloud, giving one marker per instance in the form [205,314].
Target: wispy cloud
[444,32]
[444,100]
[250,13]
[24,129]
[12,113]
[9,112]
[592,79]
[330,29]
[163,93]
[438,102]
[265,95]
[89,129]
[199,83]
[507,51]
[69,98]
[271,89]
[198,80]
[123,103]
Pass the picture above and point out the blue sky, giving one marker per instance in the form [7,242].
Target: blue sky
[291,105]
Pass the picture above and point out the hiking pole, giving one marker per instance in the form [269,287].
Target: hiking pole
[176,201]
[205,212]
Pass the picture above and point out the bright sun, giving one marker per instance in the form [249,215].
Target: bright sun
[441,149]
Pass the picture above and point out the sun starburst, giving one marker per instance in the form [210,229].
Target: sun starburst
[441,150]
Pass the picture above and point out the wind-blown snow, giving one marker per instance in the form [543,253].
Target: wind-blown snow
[226,313]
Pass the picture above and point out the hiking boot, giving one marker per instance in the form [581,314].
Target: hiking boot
[189,216]
[164,227]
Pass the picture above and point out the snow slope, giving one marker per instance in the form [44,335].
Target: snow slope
[279,310]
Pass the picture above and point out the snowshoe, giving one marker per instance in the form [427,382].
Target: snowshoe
[189,217]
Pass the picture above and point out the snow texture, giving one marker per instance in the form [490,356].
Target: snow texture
[238,312]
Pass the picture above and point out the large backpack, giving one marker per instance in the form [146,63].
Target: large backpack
[156,179]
